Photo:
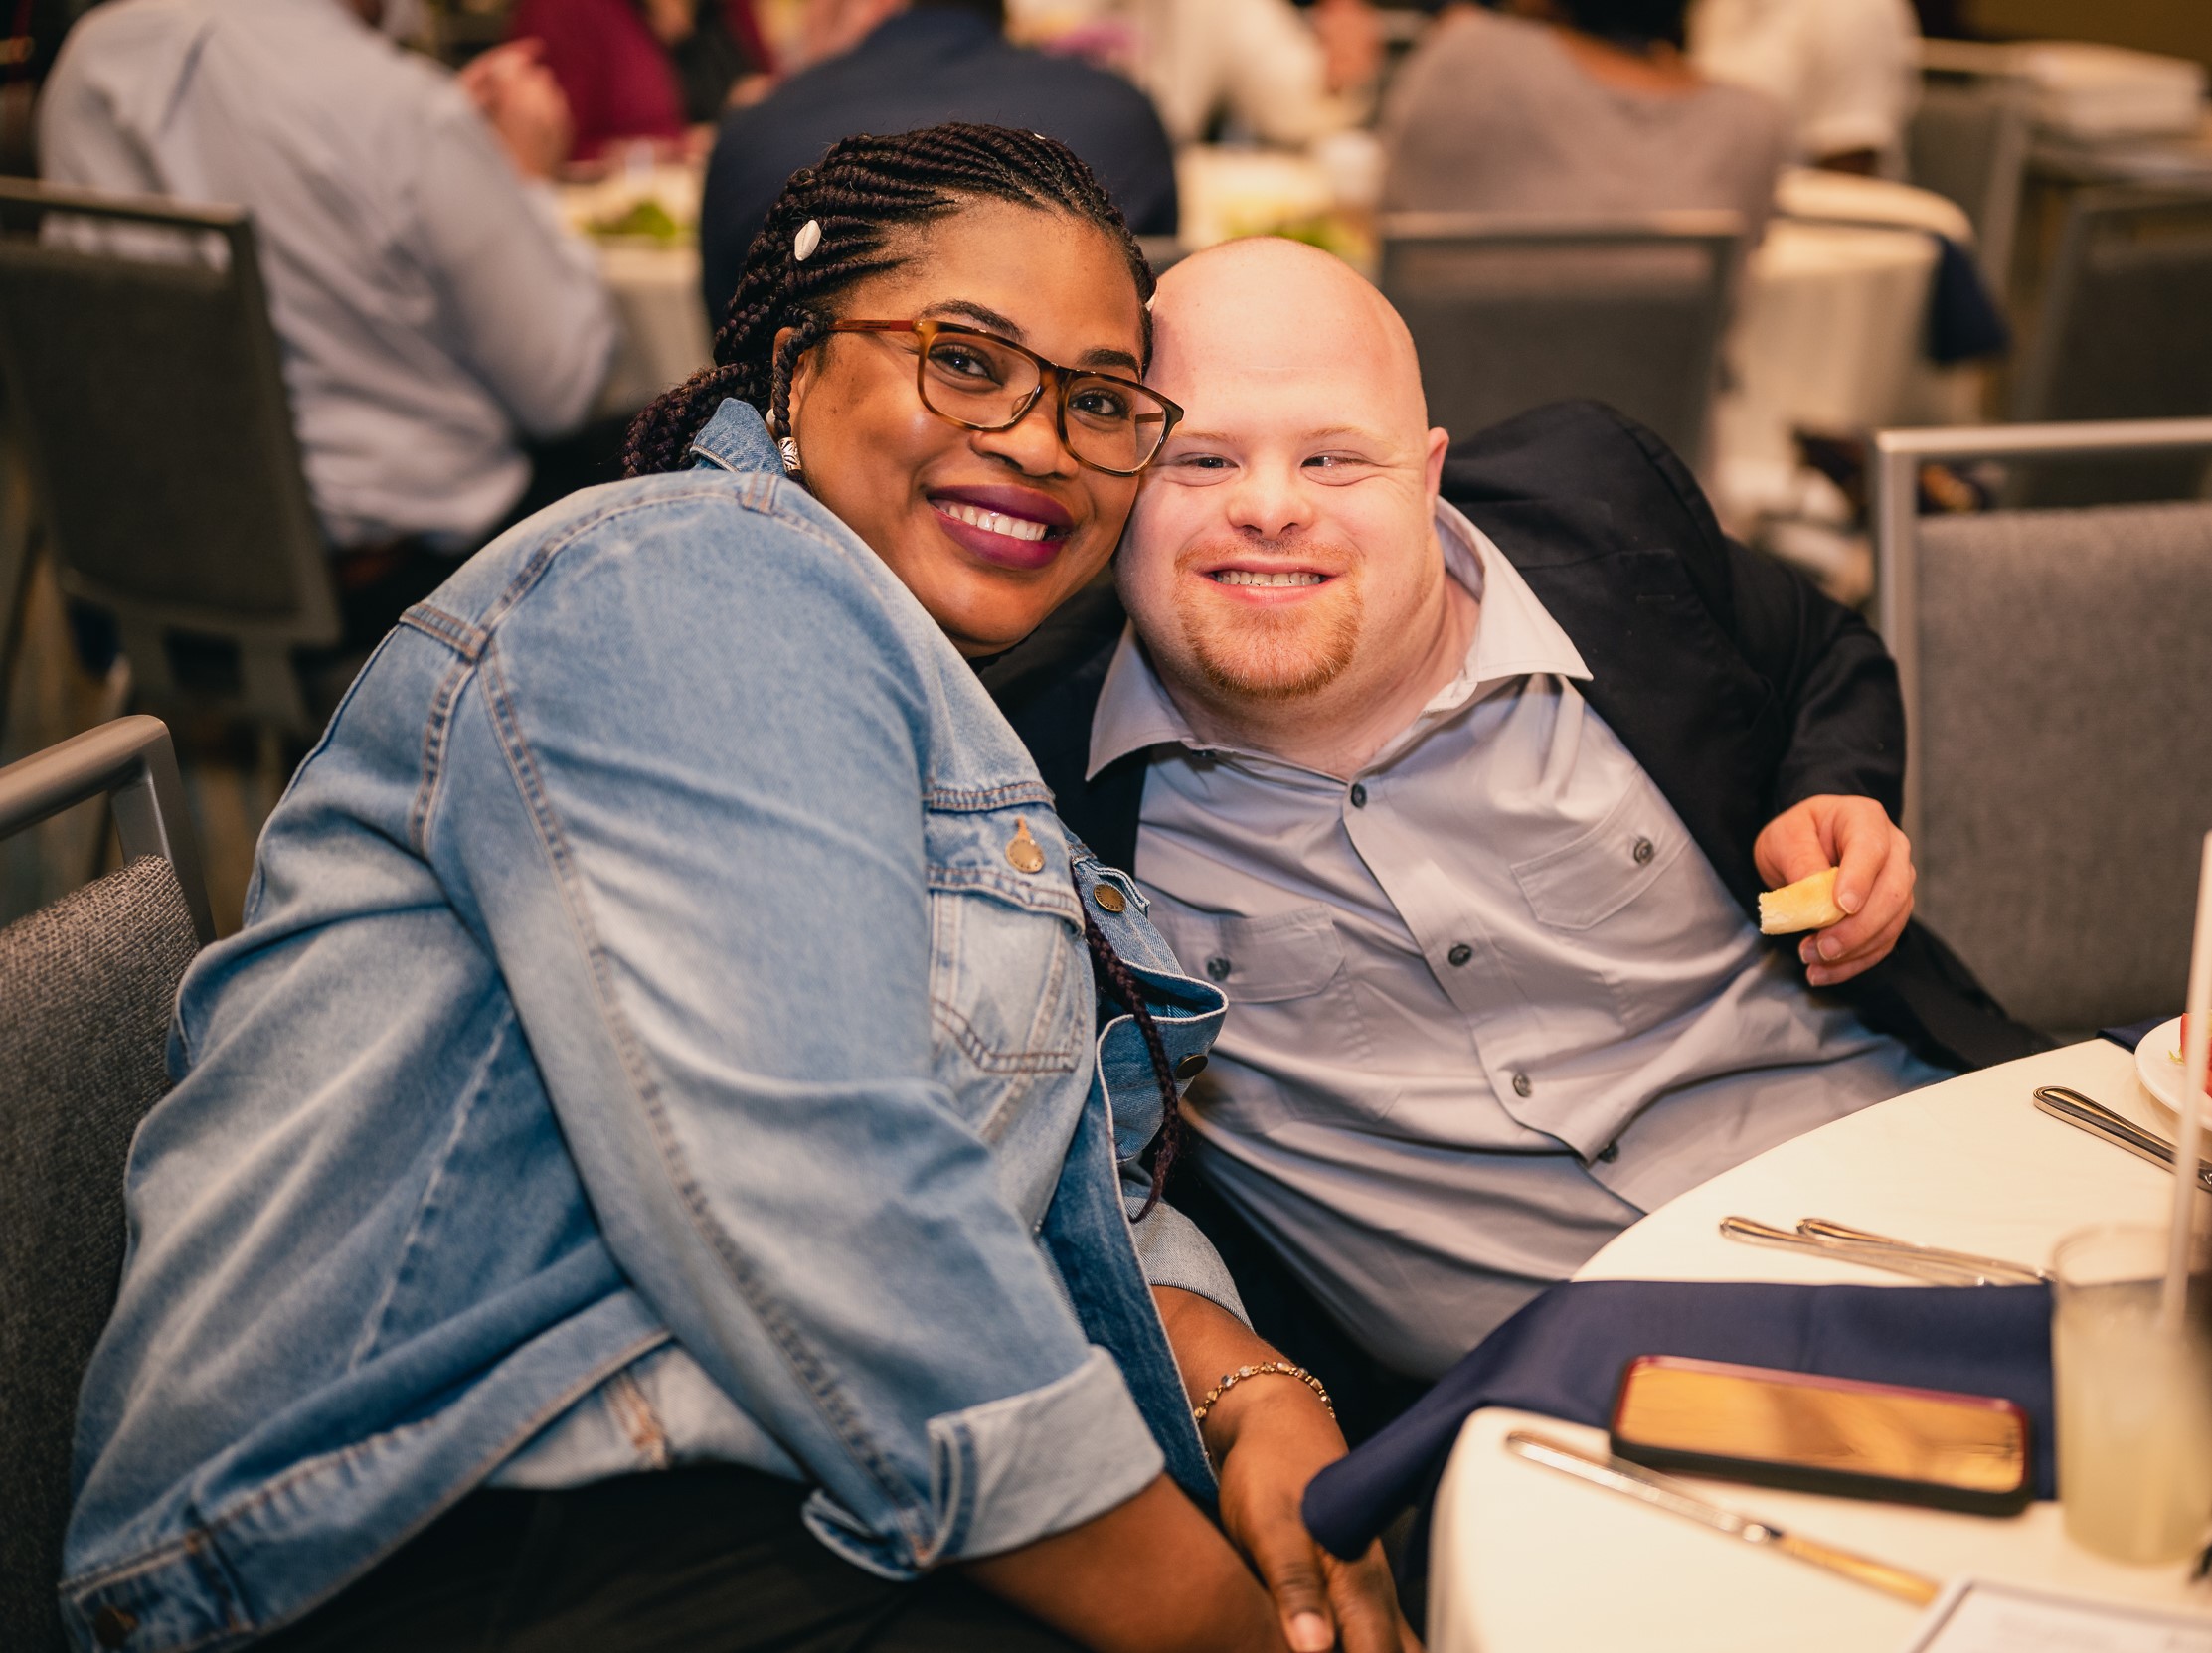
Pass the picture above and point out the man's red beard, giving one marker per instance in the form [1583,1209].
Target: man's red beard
[1269,654]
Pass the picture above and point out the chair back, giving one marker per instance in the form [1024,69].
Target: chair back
[2123,332]
[137,352]
[1509,313]
[1969,143]
[90,983]
[2059,716]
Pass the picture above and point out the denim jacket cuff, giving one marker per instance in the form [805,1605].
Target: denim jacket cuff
[1011,1471]
[1175,1252]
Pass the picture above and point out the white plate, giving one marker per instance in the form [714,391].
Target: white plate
[2156,1067]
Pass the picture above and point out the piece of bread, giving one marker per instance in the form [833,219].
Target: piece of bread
[1810,903]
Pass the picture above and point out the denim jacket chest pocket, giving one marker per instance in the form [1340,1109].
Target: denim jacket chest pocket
[1010,995]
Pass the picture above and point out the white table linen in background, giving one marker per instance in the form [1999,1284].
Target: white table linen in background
[664,336]
[1525,1561]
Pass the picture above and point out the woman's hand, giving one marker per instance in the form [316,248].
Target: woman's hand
[1268,1436]
[1267,1449]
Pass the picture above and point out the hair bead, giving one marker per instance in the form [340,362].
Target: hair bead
[809,238]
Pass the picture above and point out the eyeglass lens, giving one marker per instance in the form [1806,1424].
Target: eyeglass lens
[980,382]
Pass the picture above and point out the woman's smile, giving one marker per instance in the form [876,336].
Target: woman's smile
[1009,527]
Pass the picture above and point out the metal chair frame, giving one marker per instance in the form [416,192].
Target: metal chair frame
[270,688]
[132,762]
[1719,236]
[1898,455]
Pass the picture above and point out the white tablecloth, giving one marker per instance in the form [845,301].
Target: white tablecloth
[1525,1561]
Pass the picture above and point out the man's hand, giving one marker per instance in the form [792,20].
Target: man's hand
[524,104]
[1874,879]
[1269,1448]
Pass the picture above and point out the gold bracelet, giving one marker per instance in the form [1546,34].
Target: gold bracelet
[1231,1379]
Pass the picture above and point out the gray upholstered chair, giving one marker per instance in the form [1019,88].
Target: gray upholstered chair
[87,987]
[2123,332]
[1509,313]
[124,317]
[1969,143]
[2057,670]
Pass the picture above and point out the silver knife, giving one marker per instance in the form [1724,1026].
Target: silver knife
[1663,1492]
[2100,1121]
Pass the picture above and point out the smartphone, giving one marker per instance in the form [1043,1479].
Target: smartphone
[1812,1434]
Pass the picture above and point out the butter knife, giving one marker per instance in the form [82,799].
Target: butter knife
[2100,1121]
[1935,1271]
[1663,1492]
[1993,1270]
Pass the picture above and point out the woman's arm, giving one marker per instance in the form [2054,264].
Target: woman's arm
[1268,1436]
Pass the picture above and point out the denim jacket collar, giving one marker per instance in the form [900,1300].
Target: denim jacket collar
[736,438]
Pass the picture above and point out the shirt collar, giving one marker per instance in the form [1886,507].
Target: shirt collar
[1514,637]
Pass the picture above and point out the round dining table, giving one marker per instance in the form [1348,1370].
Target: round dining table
[1524,1560]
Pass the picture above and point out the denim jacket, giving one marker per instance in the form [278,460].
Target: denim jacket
[653,962]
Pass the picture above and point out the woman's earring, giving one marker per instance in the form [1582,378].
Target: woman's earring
[789,447]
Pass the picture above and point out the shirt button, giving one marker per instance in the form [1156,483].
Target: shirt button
[111,1626]
[1522,1084]
[1609,1153]
[1218,968]
[1359,795]
[1191,1067]
[1460,952]
[1643,852]
[1109,898]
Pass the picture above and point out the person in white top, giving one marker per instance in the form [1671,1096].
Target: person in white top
[1258,66]
[1847,70]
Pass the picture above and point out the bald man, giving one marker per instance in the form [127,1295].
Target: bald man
[1460,770]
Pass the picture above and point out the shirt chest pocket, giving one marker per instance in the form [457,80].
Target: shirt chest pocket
[1634,912]
[1284,975]
[1009,987]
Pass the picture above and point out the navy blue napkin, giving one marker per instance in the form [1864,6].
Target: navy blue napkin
[2133,1033]
[1562,1356]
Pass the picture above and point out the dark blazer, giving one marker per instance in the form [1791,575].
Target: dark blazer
[1736,685]
[919,68]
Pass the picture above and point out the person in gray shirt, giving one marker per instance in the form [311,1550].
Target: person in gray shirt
[1587,107]
[434,315]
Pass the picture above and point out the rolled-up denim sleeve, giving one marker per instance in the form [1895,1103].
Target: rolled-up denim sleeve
[684,794]
[1177,1252]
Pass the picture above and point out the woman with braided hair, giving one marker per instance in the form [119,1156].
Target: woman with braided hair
[671,1160]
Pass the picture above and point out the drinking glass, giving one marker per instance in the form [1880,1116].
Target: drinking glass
[2134,1398]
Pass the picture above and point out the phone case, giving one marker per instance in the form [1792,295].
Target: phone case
[1838,1404]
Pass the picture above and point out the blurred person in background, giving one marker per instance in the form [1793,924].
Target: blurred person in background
[1847,70]
[650,70]
[441,331]
[1575,107]
[1259,67]
[892,65]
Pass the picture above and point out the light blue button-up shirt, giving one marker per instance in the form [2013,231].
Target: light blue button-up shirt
[430,311]
[1485,1010]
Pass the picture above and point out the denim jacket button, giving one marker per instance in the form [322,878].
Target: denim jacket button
[1027,854]
[1110,898]
[111,1626]
[1191,1067]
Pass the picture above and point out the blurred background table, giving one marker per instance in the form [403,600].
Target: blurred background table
[651,273]
[1525,1559]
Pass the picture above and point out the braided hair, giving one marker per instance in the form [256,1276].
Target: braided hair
[861,189]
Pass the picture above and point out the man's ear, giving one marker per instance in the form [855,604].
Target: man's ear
[1439,442]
